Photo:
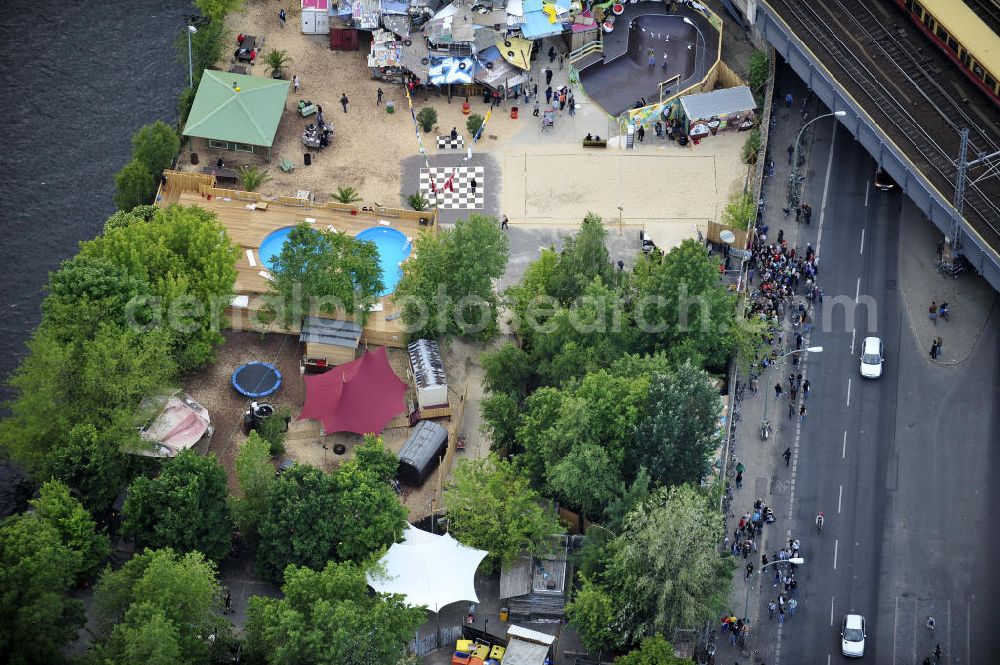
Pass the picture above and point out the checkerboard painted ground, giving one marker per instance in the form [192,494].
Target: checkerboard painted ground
[446,142]
[462,197]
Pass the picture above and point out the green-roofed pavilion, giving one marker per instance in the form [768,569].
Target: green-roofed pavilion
[236,111]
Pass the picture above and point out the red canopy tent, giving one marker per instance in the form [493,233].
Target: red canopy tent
[361,396]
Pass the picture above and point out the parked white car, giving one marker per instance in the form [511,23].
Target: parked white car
[852,636]
[872,357]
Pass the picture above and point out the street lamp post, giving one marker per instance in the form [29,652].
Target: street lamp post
[767,398]
[793,186]
[700,51]
[191,30]
[746,605]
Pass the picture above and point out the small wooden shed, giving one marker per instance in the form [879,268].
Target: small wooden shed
[333,341]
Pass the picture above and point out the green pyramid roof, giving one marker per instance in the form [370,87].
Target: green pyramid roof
[249,116]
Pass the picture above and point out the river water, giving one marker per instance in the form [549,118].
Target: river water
[81,78]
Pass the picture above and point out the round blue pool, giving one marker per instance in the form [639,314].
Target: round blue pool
[270,249]
[393,249]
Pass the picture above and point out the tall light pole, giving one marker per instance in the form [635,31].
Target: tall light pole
[191,30]
[797,561]
[777,361]
[793,185]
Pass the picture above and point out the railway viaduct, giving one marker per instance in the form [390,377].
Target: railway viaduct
[825,53]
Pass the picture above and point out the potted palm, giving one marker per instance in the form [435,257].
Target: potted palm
[276,60]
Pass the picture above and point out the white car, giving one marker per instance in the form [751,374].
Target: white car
[852,636]
[872,357]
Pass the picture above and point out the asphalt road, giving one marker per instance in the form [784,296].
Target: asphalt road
[901,465]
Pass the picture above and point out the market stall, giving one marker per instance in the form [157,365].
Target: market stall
[709,112]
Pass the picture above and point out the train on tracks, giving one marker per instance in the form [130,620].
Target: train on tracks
[963,36]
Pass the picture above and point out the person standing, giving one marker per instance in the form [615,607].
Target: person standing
[651,61]
[548,76]
[805,389]
[664,59]
[378,97]
[536,109]
[771,607]
[777,391]
[503,222]
[571,101]
[787,455]
[560,61]
[792,604]
[344,101]
[749,570]
[802,412]
[473,184]
[932,312]
[548,95]
[739,480]
[295,83]
[282,16]
[791,408]
[552,54]
[562,100]
[641,133]
[788,101]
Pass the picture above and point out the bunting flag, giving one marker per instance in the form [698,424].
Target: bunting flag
[420,140]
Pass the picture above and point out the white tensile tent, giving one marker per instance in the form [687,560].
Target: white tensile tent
[429,570]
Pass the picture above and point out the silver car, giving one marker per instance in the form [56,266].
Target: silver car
[852,636]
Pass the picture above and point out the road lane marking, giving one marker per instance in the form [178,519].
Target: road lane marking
[857,291]
[831,610]
[843,452]
[862,250]
[839,497]
[836,546]
[968,632]
[853,333]
[866,193]
[848,392]
[895,622]
[827,659]
[826,190]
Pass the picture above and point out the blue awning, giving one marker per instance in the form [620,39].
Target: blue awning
[536,25]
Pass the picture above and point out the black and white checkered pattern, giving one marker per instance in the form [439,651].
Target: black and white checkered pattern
[446,143]
[461,198]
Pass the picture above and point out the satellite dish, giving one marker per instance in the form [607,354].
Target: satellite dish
[727,236]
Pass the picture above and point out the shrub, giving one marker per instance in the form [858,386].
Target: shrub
[273,431]
[276,61]
[473,124]
[184,104]
[346,195]
[427,118]
[752,147]
[134,185]
[418,201]
[252,177]
[739,211]
[758,71]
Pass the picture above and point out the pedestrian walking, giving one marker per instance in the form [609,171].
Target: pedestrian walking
[802,412]
[798,341]
[771,607]
[943,312]
[641,133]
[932,312]
[344,101]
[562,100]
[791,151]
[503,222]
[378,97]
[295,83]
[534,112]
[931,623]
[791,381]
[793,393]
[791,408]
[548,95]
[571,101]
[935,350]
[739,481]
[787,455]
[664,60]
[777,391]
[798,380]
[749,571]
[228,599]
[651,61]
[281,17]
[792,604]
[548,76]
[753,385]
[937,654]
[473,184]
[552,54]
[560,61]
[805,389]
[781,614]
[788,101]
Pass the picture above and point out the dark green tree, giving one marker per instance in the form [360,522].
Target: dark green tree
[584,257]
[491,506]
[37,568]
[255,476]
[447,288]
[92,462]
[134,185]
[508,369]
[592,613]
[652,651]
[371,516]
[327,271]
[500,413]
[74,524]
[184,508]
[328,617]
[373,457]
[156,595]
[678,430]
[155,145]
[301,523]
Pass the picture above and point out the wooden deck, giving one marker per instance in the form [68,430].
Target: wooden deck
[248,223]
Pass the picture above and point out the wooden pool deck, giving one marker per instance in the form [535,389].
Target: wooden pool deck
[249,217]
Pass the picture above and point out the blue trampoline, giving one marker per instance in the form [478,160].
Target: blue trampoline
[256,379]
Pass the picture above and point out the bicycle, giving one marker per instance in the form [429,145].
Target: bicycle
[765,429]
[819,522]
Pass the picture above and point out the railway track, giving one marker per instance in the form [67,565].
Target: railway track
[835,30]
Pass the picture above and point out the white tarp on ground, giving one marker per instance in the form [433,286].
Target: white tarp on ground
[429,570]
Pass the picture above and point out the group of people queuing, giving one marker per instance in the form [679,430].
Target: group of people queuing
[750,529]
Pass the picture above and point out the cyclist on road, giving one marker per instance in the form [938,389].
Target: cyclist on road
[819,521]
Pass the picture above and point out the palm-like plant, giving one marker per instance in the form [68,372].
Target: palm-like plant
[276,61]
[346,195]
[252,177]
[418,201]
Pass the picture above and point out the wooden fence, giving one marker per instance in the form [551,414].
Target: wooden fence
[727,78]
[715,229]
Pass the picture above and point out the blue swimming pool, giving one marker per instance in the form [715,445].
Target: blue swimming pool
[393,249]
[271,247]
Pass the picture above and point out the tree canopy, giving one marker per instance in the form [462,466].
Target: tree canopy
[491,506]
[447,287]
[158,595]
[155,145]
[37,568]
[183,508]
[255,477]
[652,650]
[75,526]
[325,270]
[328,617]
